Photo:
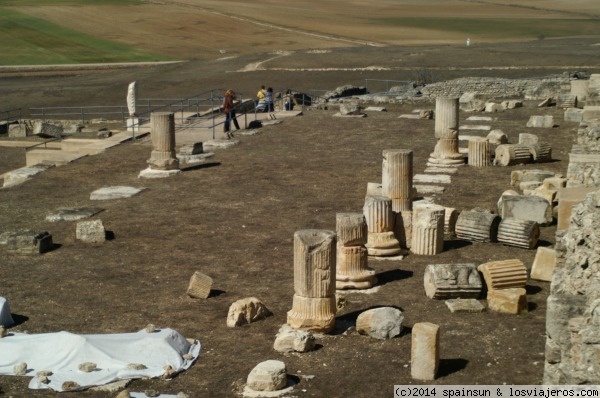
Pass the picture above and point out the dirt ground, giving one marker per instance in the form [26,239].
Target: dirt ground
[234,217]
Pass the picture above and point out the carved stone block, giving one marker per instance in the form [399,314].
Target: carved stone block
[425,351]
[447,281]
[505,274]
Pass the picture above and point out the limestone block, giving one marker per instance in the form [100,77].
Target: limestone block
[73,213]
[574,115]
[464,305]
[590,113]
[511,154]
[544,264]
[492,107]
[446,281]
[497,137]
[528,187]
[566,101]
[350,108]
[546,121]
[91,231]
[518,233]
[200,285]
[519,176]
[351,229]
[425,351]
[6,319]
[450,217]
[18,130]
[289,339]
[29,242]
[245,311]
[19,176]
[508,192]
[567,198]
[508,301]
[555,183]
[530,208]
[528,139]
[380,323]
[543,192]
[504,274]
[583,169]
[374,189]
[115,192]
[477,225]
[269,375]
[579,88]
[512,104]
[195,148]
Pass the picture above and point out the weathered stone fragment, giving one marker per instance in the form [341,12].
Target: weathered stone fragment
[425,351]
[200,285]
[464,305]
[508,301]
[511,154]
[529,208]
[245,311]
[380,323]
[90,231]
[293,340]
[269,375]
[29,242]
[546,121]
[427,229]
[543,265]
[446,281]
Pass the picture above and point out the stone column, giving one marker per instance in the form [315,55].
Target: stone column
[540,151]
[163,155]
[446,132]
[352,270]
[511,154]
[479,152]
[380,223]
[314,305]
[428,229]
[519,233]
[425,351]
[477,226]
[397,177]
[505,274]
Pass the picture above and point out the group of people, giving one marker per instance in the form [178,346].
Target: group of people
[265,104]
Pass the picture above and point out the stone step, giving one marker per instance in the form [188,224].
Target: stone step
[53,156]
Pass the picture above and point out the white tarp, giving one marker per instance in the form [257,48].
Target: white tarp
[6,319]
[63,352]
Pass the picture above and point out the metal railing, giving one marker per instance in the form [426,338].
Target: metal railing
[9,116]
[373,86]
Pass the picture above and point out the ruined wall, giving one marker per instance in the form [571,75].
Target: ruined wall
[573,312]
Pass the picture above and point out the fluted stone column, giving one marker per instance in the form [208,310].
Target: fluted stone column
[314,305]
[352,270]
[511,154]
[479,152]
[477,226]
[540,151]
[428,229]
[380,223]
[397,177]
[504,274]
[162,132]
[519,233]
[446,132]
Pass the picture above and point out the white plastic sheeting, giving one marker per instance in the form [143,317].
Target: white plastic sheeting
[63,352]
[6,319]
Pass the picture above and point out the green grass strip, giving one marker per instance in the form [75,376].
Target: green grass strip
[501,28]
[26,40]
[64,2]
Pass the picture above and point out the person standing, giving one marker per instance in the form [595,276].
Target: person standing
[289,101]
[229,111]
